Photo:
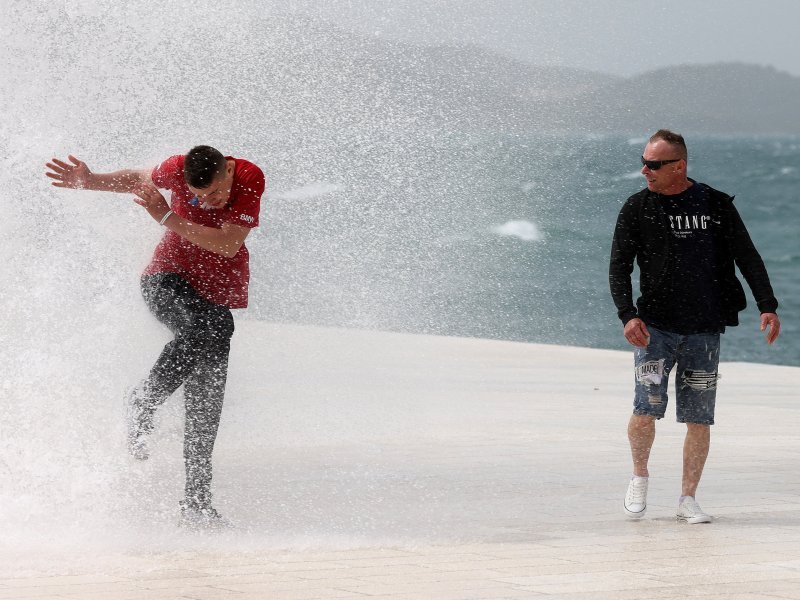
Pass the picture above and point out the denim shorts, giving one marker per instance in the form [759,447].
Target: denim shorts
[697,359]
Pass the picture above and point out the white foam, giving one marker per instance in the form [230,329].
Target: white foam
[521,229]
[312,190]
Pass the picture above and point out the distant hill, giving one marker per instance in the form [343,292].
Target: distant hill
[328,75]
[313,73]
[717,98]
[293,73]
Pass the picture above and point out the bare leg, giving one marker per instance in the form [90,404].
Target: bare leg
[641,434]
[695,452]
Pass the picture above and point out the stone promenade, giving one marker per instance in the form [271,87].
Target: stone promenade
[373,465]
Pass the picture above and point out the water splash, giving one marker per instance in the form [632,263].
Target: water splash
[521,229]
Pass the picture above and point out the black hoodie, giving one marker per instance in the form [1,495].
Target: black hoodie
[642,233]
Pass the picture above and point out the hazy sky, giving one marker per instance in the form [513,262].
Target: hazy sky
[623,37]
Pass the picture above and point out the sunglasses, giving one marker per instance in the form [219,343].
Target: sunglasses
[655,165]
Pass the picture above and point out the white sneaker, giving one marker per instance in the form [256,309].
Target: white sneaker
[689,511]
[636,499]
[136,421]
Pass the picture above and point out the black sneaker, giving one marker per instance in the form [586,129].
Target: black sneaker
[193,517]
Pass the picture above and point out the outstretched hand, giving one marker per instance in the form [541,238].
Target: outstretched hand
[75,175]
[152,200]
[771,321]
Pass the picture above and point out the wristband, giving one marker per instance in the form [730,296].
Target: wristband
[165,217]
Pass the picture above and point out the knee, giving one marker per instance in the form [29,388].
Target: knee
[212,329]
[701,428]
[642,422]
[700,381]
[220,327]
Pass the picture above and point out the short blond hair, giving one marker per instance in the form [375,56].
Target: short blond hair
[673,139]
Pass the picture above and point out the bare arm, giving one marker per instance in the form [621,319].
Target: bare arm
[225,241]
[75,174]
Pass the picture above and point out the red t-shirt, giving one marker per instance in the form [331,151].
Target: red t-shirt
[216,278]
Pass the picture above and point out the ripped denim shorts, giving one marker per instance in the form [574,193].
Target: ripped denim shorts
[697,359]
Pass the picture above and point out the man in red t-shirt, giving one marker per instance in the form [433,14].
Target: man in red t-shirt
[199,271]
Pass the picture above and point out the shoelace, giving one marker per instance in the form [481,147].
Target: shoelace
[638,491]
[691,506]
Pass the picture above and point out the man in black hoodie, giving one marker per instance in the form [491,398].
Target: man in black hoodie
[686,238]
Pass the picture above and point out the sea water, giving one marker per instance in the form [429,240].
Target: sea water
[507,238]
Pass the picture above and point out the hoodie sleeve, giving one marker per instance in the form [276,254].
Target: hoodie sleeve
[750,264]
[623,253]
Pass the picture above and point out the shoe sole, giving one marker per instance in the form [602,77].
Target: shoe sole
[216,525]
[634,515]
[694,520]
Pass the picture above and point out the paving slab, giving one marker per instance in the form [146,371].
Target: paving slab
[360,464]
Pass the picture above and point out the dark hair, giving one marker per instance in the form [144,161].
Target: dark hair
[202,165]
[673,139]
